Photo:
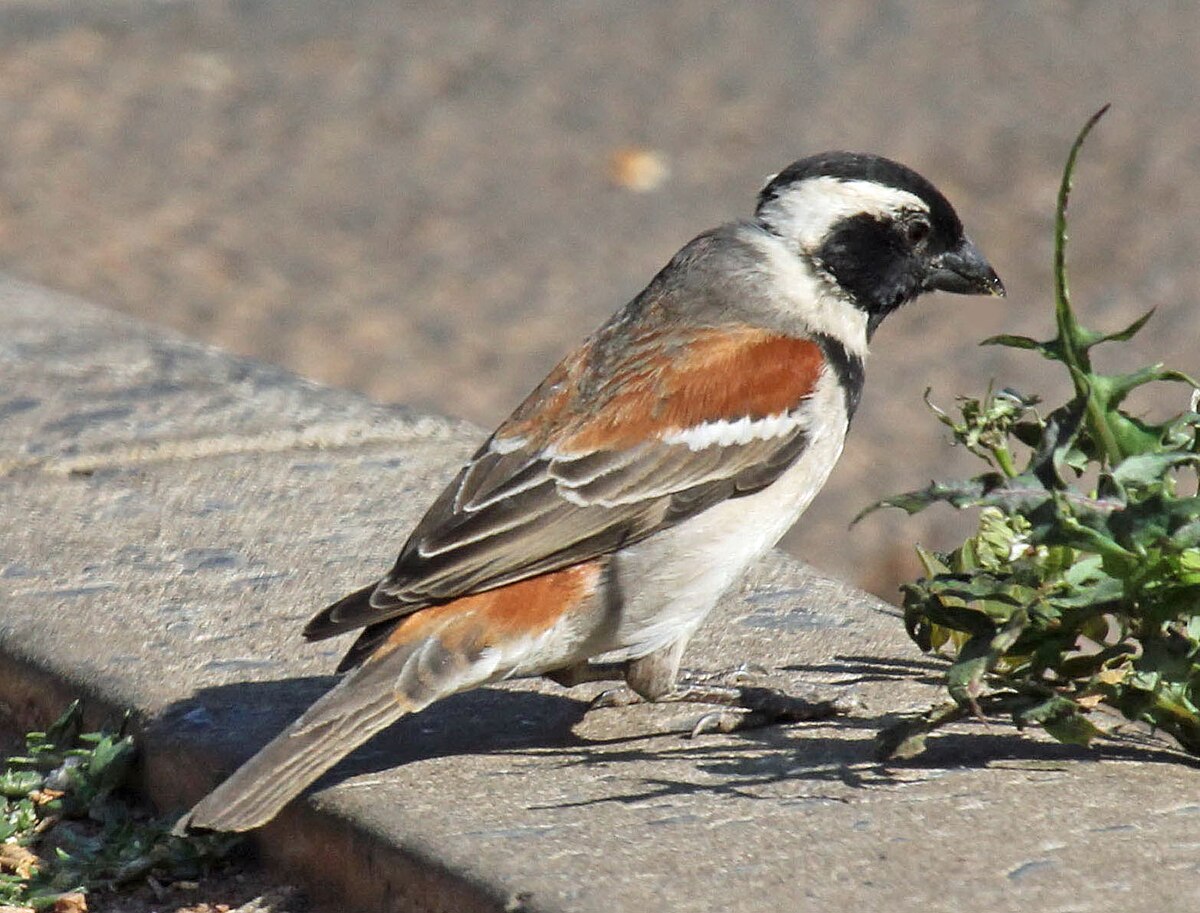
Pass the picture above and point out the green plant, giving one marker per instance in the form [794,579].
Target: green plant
[1081,585]
[64,827]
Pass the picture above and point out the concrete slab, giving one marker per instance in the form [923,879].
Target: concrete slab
[171,515]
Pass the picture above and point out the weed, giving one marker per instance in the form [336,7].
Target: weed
[66,828]
[1081,584]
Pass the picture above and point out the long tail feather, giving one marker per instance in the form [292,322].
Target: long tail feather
[407,664]
[350,714]
[405,675]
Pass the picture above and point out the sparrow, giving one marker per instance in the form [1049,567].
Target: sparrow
[591,534]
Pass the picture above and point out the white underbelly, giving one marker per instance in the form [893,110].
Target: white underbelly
[671,581]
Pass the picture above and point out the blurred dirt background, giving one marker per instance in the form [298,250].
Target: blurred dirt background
[432,202]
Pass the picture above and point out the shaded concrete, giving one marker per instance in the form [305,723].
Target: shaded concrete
[171,515]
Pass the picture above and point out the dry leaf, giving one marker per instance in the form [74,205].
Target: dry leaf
[70,903]
[42,796]
[17,860]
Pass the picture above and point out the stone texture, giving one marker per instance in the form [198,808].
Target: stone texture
[172,514]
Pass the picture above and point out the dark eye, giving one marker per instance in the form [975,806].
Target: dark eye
[917,231]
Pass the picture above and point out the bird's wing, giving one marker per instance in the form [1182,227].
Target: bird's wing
[620,441]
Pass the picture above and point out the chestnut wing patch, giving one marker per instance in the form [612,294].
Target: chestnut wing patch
[601,455]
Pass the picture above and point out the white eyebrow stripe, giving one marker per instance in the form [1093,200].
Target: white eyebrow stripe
[810,208]
[727,433]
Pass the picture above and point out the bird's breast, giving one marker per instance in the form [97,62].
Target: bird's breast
[672,580]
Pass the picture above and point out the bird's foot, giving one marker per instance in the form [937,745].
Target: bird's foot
[753,707]
[746,706]
[621,696]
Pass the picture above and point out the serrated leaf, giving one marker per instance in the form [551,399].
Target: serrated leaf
[1144,680]
[959,494]
[1019,342]
[1066,598]
[1124,335]
[978,656]
[17,784]
[964,681]
[1148,468]
[906,738]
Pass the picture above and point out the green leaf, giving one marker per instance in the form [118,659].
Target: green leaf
[1121,335]
[1149,468]
[65,730]
[960,494]
[931,562]
[17,784]
[906,738]
[1020,342]
[1072,729]
[978,656]
[110,763]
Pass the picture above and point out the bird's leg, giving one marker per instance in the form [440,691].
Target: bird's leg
[655,678]
[581,673]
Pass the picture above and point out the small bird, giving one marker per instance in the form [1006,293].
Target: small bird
[591,534]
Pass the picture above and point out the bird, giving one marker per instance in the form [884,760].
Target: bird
[591,534]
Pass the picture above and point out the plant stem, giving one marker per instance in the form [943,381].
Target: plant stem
[1074,355]
[1005,461]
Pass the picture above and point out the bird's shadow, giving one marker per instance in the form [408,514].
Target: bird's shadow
[854,669]
[236,720]
[233,721]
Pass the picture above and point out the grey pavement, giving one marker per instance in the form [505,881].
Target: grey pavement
[172,514]
[415,199]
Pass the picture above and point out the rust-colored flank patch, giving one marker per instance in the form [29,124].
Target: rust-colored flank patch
[522,609]
[719,374]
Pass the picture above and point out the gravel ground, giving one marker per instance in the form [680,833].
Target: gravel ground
[431,203]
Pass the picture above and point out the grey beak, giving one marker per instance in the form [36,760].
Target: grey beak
[963,271]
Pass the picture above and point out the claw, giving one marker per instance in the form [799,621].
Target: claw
[745,706]
[614,697]
[719,721]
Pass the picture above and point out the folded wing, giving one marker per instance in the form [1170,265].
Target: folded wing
[630,435]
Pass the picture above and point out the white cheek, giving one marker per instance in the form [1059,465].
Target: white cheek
[811,298]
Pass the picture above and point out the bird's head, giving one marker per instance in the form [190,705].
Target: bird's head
[878,231]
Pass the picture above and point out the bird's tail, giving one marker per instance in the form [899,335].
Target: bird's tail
[415,667]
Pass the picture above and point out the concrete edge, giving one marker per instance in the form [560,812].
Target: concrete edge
[339,864]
